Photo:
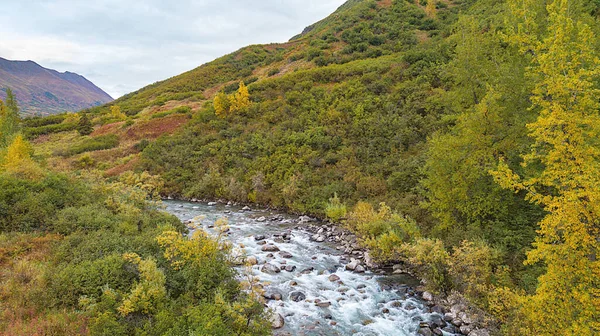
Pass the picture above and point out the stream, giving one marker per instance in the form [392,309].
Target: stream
[308,285]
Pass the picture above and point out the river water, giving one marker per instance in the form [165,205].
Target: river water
[355,304]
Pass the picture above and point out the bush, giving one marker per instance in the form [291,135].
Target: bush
[93,144]
[431,262]
[34,132]
[335,210]
[474,269]
[382,231]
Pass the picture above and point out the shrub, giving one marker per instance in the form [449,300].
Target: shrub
[431,262]
[93,144]
[335,209]
[473,270]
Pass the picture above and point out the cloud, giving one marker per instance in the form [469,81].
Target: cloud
[123,45]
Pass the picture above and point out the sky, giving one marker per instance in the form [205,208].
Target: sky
[124,45]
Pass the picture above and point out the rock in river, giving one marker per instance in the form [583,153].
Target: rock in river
[270,269]
[270,248]
[297,296]
[277,321]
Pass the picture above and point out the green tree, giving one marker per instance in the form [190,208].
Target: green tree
[84,126]
[9,119]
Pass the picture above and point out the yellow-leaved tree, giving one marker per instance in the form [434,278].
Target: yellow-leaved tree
[228,104]
[222,104]
[565,157]
[17,159]
[115,113]
[430,9]
[241,99]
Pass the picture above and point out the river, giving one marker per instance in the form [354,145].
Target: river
[329,300]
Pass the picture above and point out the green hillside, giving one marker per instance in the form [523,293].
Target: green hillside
[475,122]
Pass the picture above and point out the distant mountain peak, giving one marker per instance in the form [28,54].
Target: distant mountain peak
[45,91]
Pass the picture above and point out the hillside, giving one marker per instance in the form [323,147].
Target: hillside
[459,137]
[42,91]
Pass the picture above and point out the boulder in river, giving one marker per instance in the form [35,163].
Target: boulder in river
[277,321]
[285,254]
[259,237]
[353,264]
[212,203]
[270,248]
[427,296]
[252,260]
[261,219]
[297,296]
[334,278]
[270,269]
[323,304]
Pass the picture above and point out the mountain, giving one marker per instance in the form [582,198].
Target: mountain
[42,91]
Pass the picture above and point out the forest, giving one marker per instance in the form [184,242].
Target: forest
[460,137]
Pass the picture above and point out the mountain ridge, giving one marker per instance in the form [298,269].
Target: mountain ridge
[43,91]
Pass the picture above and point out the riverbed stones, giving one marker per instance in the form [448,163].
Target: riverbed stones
[427,296]
[252,260]
[351,266]
[246,208]
[334,278]
[285,254]
[290,268]
[261,219]
[259,237]
[425,331]
[277,321]
[307,270]
[465,329]
[270,248]
[270,269]
[323,304]
[297,296]
[212,203]
[359,269]
[480,332]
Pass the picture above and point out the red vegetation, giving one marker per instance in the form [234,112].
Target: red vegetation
[152,129]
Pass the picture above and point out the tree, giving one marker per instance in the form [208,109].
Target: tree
[228,104]
[566,182]
[222,104]
[9,119]
[430,9]
[115,113]
[84,126]
[11,102]
[241,98]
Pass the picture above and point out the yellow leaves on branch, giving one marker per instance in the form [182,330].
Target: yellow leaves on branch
[566,68]
[226,105]
[180,251]
[149,293]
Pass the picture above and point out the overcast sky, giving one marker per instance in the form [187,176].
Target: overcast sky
[123,45]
